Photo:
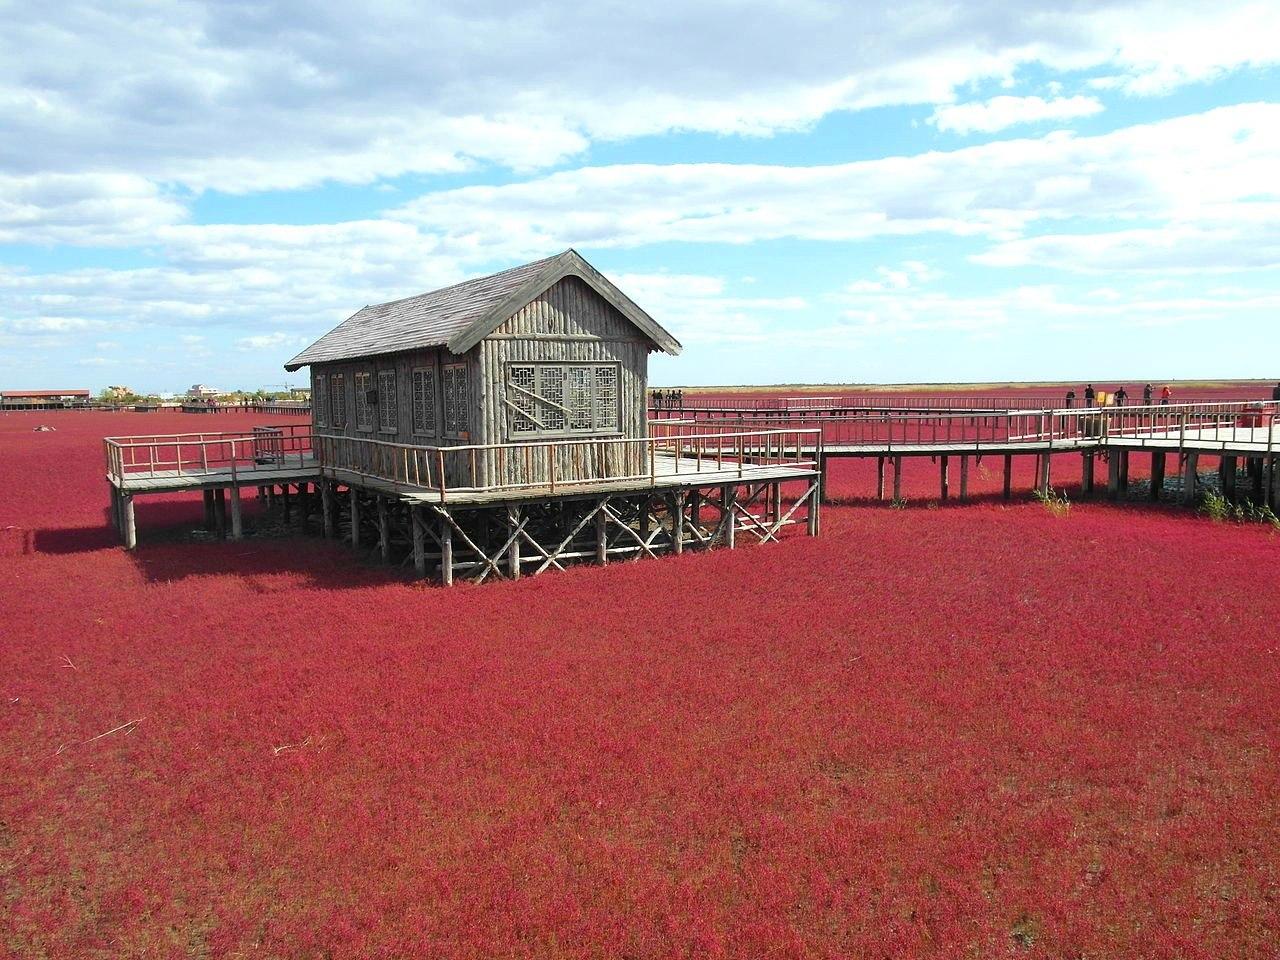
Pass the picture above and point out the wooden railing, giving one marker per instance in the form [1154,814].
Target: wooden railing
[562,465]
[189,454]
[551,465]
[703,408]
[1230,423]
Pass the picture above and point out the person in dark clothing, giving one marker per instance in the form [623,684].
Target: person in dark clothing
[1071,399]
[1121,396]
[1146,395]
[1275,393]
[1089,395]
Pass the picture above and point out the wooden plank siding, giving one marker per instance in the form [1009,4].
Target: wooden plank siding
[569,322]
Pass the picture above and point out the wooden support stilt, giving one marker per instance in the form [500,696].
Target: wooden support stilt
[284,494]
[1227,467]
[355,517]
[1189,464]
[1255,475]
[419,539]
[677,522]
[220,512]
[1269,482]
[446,552]
[695,508]
[384,531]
[897,479]
[1113,475]
[1045,479]
[208,509]
[326,507]
[815,511]
[602,536]
[775,502]
[1124,471]
[130,522]
[237,526]
[1008,475]
[1157,473]
[1086,473]
[729,501]
[944,472]
[879,478]
[513,551]
[964,479]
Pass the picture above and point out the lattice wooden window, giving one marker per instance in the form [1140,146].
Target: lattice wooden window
[388,402]
[424,401]
[320,400]
[364,412]
[457,412]
[559,399]
[338,400]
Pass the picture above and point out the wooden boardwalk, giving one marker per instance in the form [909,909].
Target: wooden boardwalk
[663,486]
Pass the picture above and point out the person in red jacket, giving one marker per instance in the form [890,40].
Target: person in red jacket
[1165,394]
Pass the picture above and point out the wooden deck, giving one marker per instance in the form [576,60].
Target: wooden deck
[174,481]
[671,473]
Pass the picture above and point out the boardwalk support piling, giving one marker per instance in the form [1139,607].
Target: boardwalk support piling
[1189,464]
[1157,473]
[1008,476]
[237,526]
[130,523]
[326,507]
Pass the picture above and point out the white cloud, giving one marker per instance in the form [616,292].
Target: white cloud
[1208,165]
[272,341]
[246,97]
[1000,112]
[102,209]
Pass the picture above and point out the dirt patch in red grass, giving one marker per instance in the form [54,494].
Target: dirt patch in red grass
[986,731]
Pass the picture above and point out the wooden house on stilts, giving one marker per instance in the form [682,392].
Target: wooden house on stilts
[498,427]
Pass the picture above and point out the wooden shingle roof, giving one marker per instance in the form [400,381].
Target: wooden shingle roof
[462,315]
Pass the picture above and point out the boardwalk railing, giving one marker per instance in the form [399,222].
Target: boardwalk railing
[561,465]
[551,465]
[191,454]
[700,408]
[1201,424]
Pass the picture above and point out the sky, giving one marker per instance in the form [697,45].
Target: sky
[801,191]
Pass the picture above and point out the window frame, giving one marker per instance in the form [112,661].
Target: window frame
[337,400]
[388,400]
[465,433]
[361,399]
[320,400]
[567,431]
[431,423]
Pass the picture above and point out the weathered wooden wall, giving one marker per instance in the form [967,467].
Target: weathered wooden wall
[567,323]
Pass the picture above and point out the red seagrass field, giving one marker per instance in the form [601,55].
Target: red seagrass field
[978,730]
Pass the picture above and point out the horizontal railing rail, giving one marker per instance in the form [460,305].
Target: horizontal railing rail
[1202,424]
[560,465]
[554,465]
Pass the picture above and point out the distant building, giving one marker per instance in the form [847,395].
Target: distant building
[42,399]
[200,391]
[300,393]
[119,393]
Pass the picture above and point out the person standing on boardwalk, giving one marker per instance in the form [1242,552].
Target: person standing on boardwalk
[1089,395]
[1165,395]
[1146,395]
[1275,392]
[1071,398]
[1121,396]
